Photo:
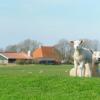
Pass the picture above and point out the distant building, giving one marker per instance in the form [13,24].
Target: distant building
[12,57]
[46,55]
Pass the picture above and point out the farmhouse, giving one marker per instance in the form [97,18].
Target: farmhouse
[12,57]
[46,55]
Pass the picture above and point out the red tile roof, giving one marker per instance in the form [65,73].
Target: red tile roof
[46,52]
[15,55]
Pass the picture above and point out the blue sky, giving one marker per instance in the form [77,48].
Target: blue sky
[48,20]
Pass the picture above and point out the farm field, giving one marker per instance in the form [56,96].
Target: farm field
[45,82]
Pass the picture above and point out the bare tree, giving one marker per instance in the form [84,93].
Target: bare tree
[65,50]
[12,48]
[25,45]
[91,44]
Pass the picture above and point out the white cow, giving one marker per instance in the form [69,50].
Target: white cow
[82,59]
[96,62]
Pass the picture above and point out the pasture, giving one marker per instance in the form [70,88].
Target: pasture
[45,82]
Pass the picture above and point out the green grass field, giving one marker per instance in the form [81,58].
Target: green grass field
[45,82]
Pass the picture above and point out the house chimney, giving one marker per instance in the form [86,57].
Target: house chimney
[29,53]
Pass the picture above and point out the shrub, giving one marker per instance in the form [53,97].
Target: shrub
[22,62]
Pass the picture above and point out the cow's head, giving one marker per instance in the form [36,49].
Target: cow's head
[77,44]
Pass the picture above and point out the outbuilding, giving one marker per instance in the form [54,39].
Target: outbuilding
[46,55]
[13,57]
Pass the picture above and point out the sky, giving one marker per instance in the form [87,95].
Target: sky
[48,21]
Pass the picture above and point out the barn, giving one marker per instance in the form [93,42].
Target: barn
[46,55]
[12,57]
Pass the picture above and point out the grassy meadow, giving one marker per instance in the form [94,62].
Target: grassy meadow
[45,82]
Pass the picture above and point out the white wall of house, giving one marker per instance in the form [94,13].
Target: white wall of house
[3,61]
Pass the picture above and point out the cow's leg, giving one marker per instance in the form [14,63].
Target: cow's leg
[82,68]
[75,66]
[88,72]
[94,68]
[89,68]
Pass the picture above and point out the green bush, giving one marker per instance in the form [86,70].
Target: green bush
[22,62]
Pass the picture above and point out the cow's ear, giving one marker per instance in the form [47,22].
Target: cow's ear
[82,41]
[72,42]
